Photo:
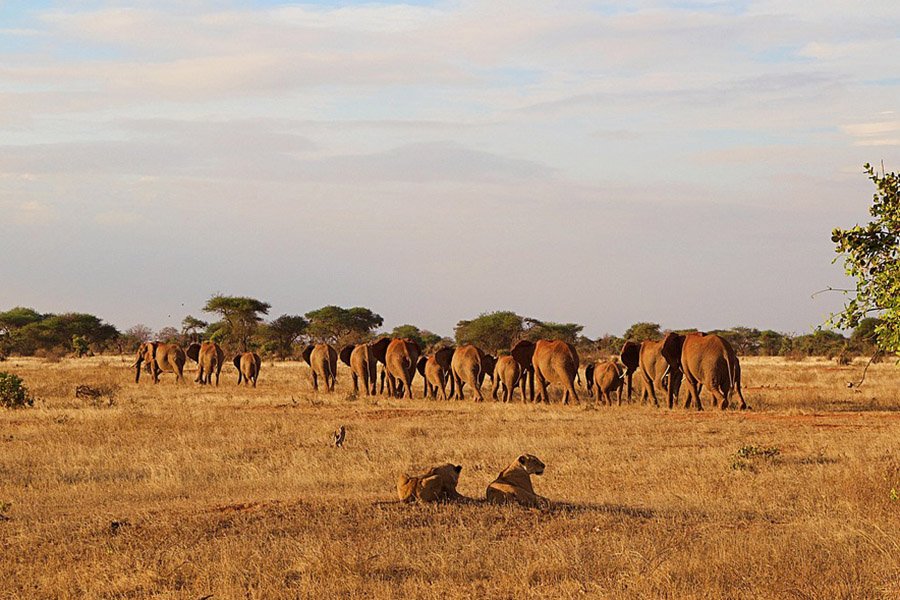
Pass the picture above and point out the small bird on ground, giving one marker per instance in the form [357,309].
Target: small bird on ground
[337,438]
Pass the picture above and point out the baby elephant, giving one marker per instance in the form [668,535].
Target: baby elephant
[437,485]
[608,378]
[514,483]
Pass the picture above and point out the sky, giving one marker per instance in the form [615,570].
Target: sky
[603,163]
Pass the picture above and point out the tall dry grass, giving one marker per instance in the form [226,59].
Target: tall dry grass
[182,491]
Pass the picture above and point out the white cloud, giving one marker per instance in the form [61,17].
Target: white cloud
[877,133]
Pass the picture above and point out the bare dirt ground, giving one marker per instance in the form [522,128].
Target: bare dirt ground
[183,491]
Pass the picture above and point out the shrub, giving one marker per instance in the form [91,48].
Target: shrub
[13,393]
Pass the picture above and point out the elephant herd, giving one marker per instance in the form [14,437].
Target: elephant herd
[697,359]
[159,357]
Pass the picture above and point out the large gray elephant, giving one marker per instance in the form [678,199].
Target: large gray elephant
[248,365]
[705,359]
[631,358]
[507,373]
[435,373]
[210,357]
[469,366]
[322,361]
[401,357]
[556,361]
[363,366]
[657,374]
[523,353]
[162,358]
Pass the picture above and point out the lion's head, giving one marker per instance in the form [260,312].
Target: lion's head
[531,463]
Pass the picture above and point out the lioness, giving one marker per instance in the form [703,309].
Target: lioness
[514,483]
[438,484]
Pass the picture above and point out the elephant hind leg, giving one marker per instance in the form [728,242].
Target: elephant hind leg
[570,390]
[693,392]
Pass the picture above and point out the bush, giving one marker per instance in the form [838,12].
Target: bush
[13,393]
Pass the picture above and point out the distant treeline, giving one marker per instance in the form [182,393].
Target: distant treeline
[240,326]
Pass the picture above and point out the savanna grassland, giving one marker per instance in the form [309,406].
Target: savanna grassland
[183,491]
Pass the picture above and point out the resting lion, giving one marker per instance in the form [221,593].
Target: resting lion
[438,484]
[514,483]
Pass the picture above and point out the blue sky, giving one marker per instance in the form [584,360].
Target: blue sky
[595,162]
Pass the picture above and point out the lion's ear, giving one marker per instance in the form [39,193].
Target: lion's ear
[457,468]
[522,460]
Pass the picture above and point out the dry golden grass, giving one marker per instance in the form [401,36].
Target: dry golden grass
[183,491]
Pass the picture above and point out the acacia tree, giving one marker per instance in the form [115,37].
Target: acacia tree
[494,331]
[191,326]
[284,332]
[871,256]
[342,325]
[642,331]
[423,337]
[241,316]
[548,330]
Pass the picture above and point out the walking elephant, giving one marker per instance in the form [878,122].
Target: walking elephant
[248,365]
[210,357]
[363,366]
[555,361]
[434,377]
[379,351]
[468,367]
[657,374]
[322,360]
[589,377]
[708,360]
[631,358]
[507,373]
[401,357]
[435,370]
[607,377]
[523,353]
[162,358]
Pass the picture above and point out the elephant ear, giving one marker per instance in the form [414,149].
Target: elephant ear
[444,356]
[193,352]
[306,353]
[237,361]
[671,349]
[345,353]
[631,356]
[379,348]
[589,373]
[415,346]
[153,347]
[523,352]
[420,366]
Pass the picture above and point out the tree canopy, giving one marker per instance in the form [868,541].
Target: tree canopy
[25,331]
[284,332]
[547,330]
[335,324]
[240,315]
[423,337]
[871,256]
[493,331]
[642,331]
